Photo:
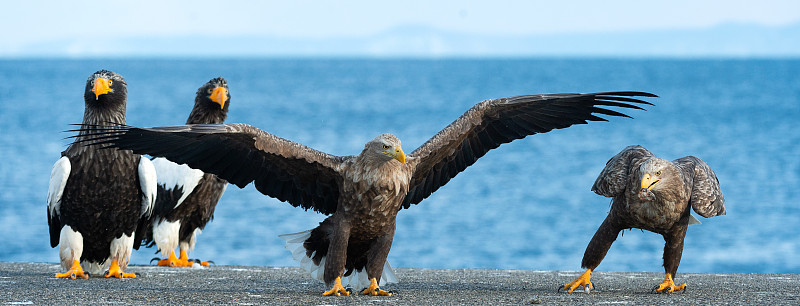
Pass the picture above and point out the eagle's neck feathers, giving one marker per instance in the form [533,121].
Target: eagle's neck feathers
[376,187]
[205,115]
[671,200]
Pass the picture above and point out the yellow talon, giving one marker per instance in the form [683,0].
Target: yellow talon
[582,281]
[668,286]
[115,271]
[74,272]
[337,289]
[375,290]
[171,261]
[184,261]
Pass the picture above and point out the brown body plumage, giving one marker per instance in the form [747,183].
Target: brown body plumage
[362,193]
[653,194]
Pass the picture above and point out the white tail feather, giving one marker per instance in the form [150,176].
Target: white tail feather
[693,220]
[358,279]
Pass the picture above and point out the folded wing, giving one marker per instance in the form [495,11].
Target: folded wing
[706,197]
[614,178]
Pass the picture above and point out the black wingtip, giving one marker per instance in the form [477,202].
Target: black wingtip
[628,93]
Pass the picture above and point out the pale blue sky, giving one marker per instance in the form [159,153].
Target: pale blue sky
[36,22]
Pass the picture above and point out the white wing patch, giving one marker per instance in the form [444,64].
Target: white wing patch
[172,176]
[147,182]
[58,179]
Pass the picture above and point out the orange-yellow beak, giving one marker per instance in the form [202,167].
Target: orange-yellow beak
[101,87]
[399,155]
[219,95]
[648,181]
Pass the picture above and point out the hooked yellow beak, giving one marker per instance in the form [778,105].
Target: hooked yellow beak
[101,87]
[219,95]
[399,155]
[648,181]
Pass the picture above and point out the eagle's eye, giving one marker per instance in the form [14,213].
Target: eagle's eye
[210,91]
[110,82]
[658,173]
[386,147]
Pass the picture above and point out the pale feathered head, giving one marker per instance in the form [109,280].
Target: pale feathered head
[657,176]
[385,147]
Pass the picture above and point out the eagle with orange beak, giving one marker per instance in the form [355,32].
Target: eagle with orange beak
[362,193]
[99,201]
[188,197]
[656,195]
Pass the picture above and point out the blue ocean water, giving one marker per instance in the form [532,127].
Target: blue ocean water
[525,205]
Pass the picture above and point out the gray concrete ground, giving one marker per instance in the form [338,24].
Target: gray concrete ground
[33,283]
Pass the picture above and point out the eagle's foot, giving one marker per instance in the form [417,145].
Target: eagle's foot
[184,260]
[172,261]
[115,271]
[668,286]
[374,290]
[74,272]
[337,290]
[202,263]
[582,281]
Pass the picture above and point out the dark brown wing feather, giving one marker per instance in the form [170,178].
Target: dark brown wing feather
[706,197]
[240,154]
[615,176]
[491,123]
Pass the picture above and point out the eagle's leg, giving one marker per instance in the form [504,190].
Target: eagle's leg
[191,262]
[595,252]
[668,285]
[585,281]
[185,246]
[74,272]
[335,259]
[184,261]
[376,259]
[115,271]
[673,250]
[70,251]
[171,261]
[337,290]
[374,289]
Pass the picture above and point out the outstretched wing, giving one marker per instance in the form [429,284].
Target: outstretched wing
[238,153]
[491,123]
[706,197]
[614,178]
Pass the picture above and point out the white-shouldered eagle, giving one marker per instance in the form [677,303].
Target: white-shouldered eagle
[99,201]
[187,197]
